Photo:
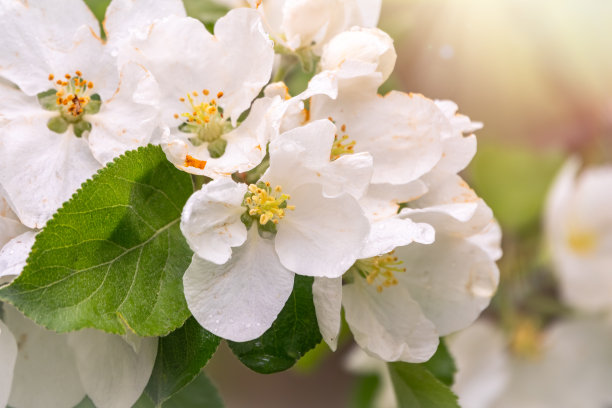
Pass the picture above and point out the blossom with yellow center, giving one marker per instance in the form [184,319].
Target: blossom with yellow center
[342,145]
[266,203]
[380,270]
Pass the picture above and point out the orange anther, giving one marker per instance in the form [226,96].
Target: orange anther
[90,84]
[182,99]
[51,76]
[343,128]
[176,116]
[78,73]
[220,95]
[194,93]
[193,162]
[67,76]
[206,92]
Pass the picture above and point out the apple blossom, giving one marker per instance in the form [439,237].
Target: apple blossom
[299,220]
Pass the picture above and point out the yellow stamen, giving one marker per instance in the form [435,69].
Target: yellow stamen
[342,145]
[380,270]
[267,203]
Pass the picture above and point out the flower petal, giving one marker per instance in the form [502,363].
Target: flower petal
[211,220]
[240,299]
[134,17]
[327,297]
[406,143]
[14,254]
[125,121]
[386,235]
[389,324]
[323,236]
[34,35]
[113,372]
[452,279]
[41,169]
[45,372]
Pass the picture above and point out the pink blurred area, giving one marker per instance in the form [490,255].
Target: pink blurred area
[537,72]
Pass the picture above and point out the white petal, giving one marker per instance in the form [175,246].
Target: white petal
[239,300]
[45,372]
[35,34]
[323,236]
[8,356]
[134,17]
[14,254]
[327,297]
[237,61]
[388,324]
[9,228]
[368,50]
[126,121]
[211,220]
[451,279]
[14,104]
[246,145]
[489,240]
[483,366]
[382,200]
[307,22]
[452,207]
[458,152]
[113,372]
[406,143]
[41,169]
[386,235]
[302,155]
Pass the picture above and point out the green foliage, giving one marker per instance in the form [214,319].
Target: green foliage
[294,332]
[180,357]
[366,389]
[98,8]
[416,387]
[114,254]
[207,11]
[200,393]
[442,365]
[514,182]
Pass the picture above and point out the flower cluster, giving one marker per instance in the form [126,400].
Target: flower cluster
[356,189]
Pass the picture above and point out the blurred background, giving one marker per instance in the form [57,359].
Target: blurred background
[538,74]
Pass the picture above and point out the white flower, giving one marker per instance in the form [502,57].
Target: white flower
[491,375]
[304,26]
[483,364]
[301,221]
[59,370]
[398,304]
[579,232]
[206,82]
[74,109]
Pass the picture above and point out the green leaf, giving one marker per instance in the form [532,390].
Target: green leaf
[94,105]
[207,11]
[294,332]
[85,403]
[416,387]
[180,357]
[200,393]
[114,254]
[365,391]
[442,365]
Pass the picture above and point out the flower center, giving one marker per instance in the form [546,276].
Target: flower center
[266,204]
[204,119]
[342,145]
[73,97]
[582,242]
[526,340]
[380,270]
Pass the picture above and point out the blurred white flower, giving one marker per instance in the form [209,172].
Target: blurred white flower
[579,232]
[565,366]
[59,370]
